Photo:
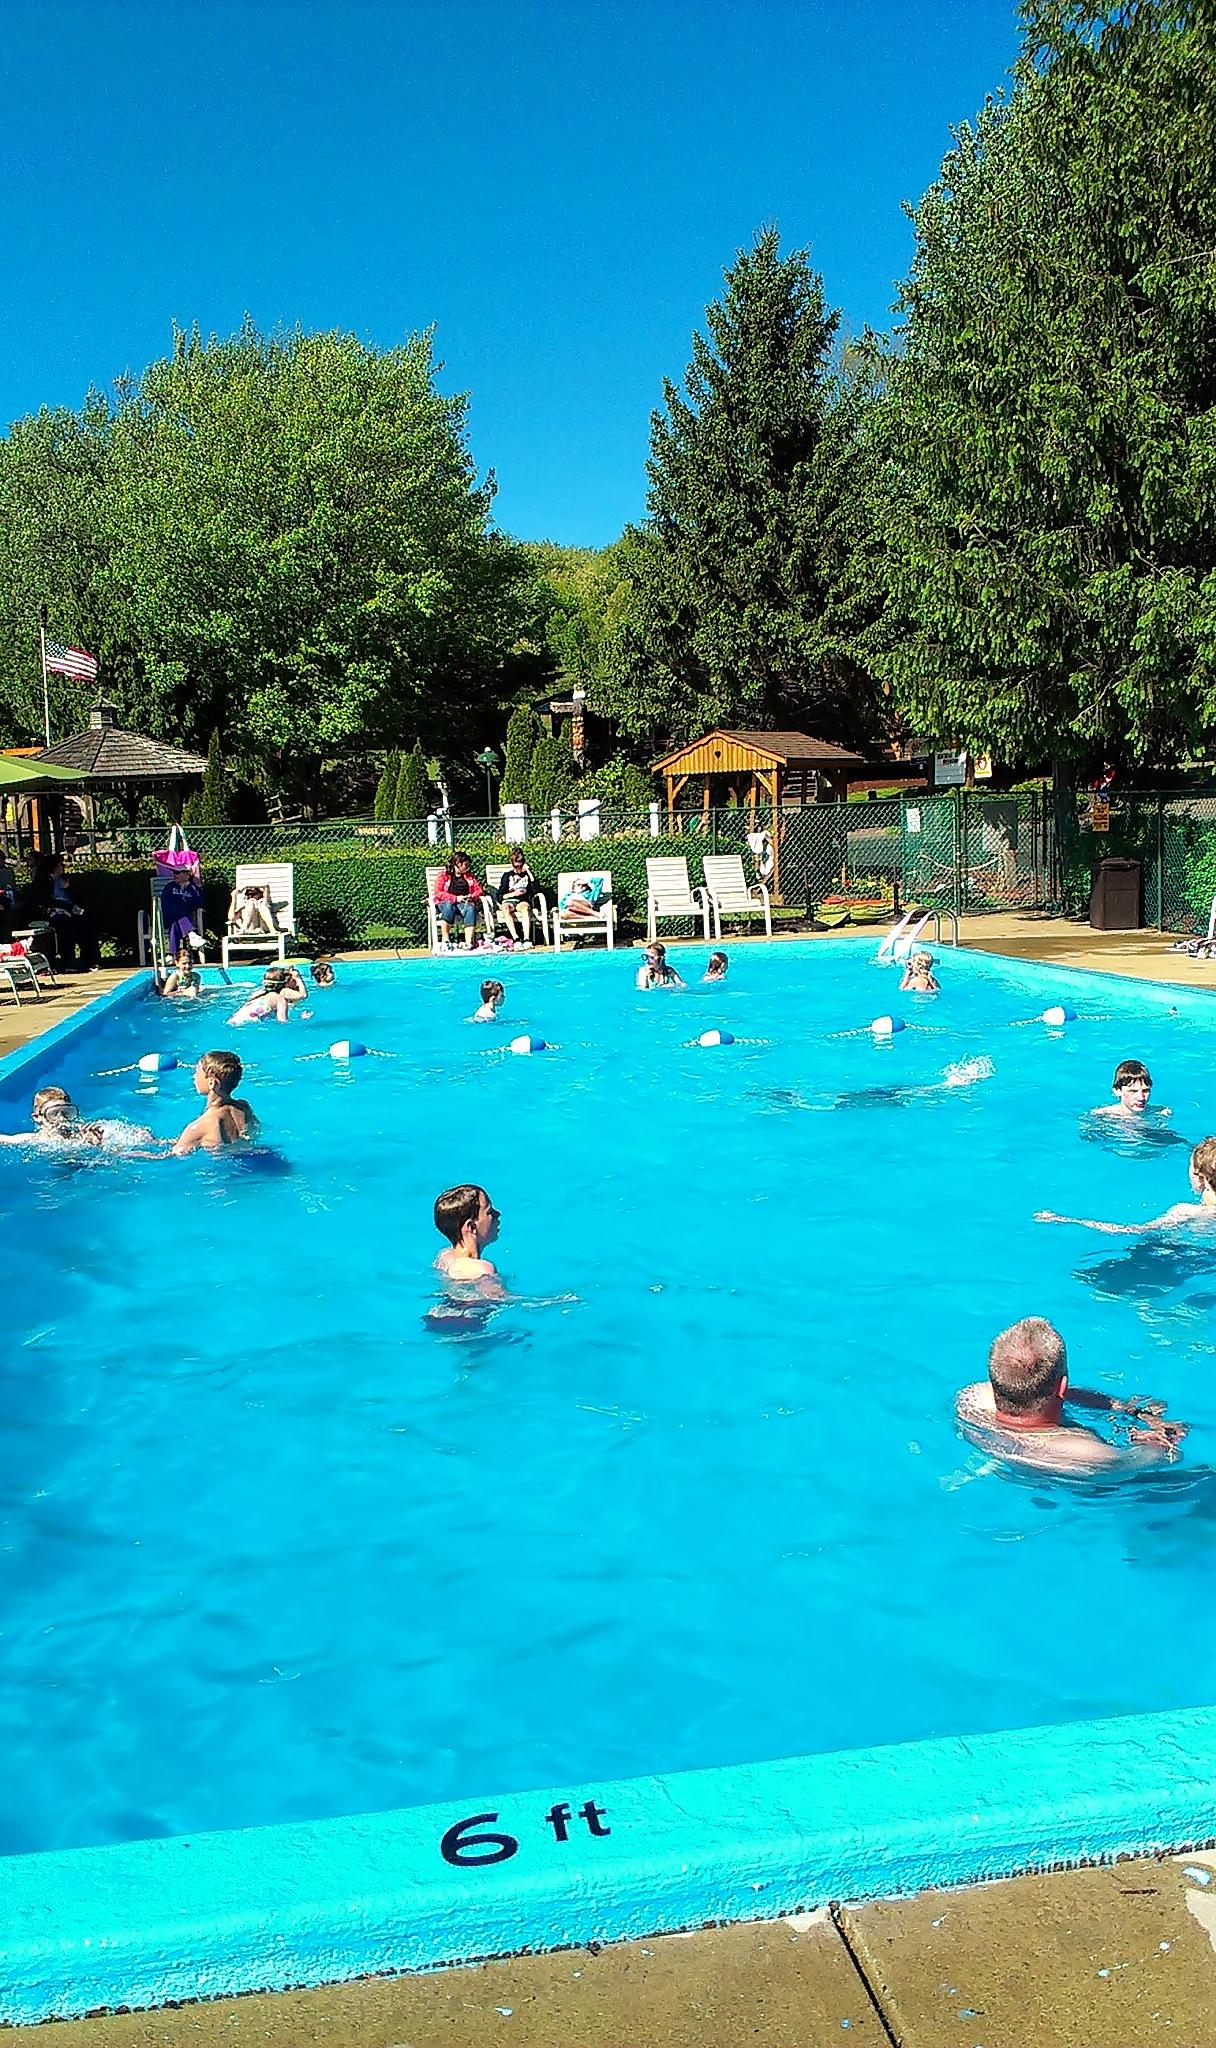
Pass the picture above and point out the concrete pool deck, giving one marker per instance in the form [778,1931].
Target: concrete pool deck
[1106,1957]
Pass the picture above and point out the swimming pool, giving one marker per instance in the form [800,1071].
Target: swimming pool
[273,1550]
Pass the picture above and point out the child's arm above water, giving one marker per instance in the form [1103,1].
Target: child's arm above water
[1181,1212]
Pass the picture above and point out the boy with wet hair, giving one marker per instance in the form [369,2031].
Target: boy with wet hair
[1200,1214]
[492,995]
[1132,1086]
[56,1121]
[1019,1411]
[226,1120]
[467,1217]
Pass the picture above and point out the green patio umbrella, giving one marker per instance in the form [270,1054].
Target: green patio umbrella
[20,777]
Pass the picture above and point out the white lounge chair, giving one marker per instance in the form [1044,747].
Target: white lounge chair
[670,894]
[731,895]
[494,917]
[28,965]
[602,923]
[278,879]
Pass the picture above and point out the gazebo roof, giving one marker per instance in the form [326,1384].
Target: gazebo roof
[784,749]
[106,752]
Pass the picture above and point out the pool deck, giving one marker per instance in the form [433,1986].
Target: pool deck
[1106,1957]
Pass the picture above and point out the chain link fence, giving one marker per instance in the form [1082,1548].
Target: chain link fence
[1173,837]
[362,883]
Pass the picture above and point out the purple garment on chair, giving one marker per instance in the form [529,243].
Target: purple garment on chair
[181,906]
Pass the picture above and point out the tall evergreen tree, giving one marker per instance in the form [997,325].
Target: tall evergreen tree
[523,732]
[550,778]
[742,609]
[413,785]
[384,809]
[1049,423]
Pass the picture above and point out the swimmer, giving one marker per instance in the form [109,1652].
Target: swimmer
[919,975]
[1183,1215]
[1132,1087]
[56,1121]
[655,970]
[226,1120]
[323,971]
[492,995]
[281,987]
[716,970]
[183,979]
[468,1219]
[1018,1412]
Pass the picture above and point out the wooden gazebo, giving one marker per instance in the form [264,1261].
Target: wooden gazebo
[784,769]
[114,762]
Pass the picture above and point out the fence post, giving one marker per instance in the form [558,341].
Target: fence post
[958,852]
[1160,864]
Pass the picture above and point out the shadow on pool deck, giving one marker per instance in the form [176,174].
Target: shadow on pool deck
[1118,1957]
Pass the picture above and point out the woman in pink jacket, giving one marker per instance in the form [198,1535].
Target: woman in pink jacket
[457,897]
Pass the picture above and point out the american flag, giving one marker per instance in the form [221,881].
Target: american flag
[71,661]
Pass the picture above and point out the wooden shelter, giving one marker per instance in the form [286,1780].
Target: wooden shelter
[784,770]
[111,761]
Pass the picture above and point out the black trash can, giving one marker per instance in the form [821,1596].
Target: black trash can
[1114,898]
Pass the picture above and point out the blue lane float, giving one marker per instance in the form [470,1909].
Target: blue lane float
[347,1049]
[886,1027]
[716,1038]
[524,1044]
[1059,1013]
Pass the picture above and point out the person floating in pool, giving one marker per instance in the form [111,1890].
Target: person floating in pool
[1197,1215]
[919,976]
[656,970]
[1020,1411]
[323,971]
[1132,1088]
[716,969]
[468,1219]
[281,987]
[57,1121]
[226,1120]
[493,994]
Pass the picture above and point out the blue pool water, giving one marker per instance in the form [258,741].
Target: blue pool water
[270,1548]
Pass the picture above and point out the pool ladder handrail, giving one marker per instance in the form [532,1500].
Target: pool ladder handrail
[937,916]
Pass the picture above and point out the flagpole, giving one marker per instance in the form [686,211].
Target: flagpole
[46,688]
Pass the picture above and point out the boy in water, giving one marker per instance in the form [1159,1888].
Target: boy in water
[1195,1215]
[323,971]
[226,1120]
[468,1219]
[492,994]
[1018,1412]
[716,970]
[56,1122]
[1132,1087]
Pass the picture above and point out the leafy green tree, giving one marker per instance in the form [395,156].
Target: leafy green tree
[384,808]
[1048,427]
[742,606]
[413,785]
[282,537]
[523,733]
[620,784]
[215,803]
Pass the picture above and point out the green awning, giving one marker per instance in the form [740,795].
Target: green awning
[33,778]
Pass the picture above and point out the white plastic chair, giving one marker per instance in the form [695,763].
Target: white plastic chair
[493,910]
[278,879]
[670,894]
[731,895]
[602,922]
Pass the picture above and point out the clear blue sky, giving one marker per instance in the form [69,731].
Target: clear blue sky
[556,185]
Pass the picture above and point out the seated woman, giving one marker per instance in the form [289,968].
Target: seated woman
[655,970]
[250,911]
[182,903]
[514,897]
[458,894]
[49,897]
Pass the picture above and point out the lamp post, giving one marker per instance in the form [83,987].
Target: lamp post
[488,760]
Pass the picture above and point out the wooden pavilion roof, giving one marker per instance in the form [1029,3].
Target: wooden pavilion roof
[727,751]
[106,752]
